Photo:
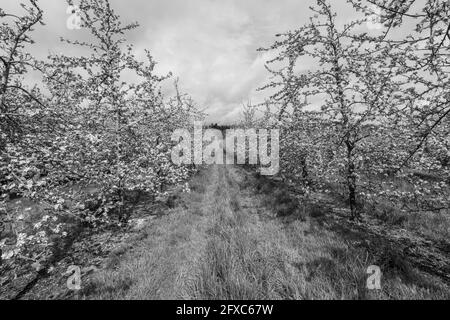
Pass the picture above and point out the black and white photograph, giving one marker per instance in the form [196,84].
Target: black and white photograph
[233,157]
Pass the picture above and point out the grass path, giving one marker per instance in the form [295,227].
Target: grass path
[222,242]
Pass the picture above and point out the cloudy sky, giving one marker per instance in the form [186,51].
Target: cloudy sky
[211,45]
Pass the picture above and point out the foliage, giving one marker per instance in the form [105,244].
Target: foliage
[368,117]
[84,148]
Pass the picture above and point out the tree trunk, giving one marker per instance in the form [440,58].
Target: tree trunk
[351,181]
[304,166]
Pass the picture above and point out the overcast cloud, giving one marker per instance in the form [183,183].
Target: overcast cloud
[211,45]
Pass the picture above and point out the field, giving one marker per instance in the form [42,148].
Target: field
[231,160]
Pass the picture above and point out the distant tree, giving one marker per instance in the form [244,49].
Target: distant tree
[249,115]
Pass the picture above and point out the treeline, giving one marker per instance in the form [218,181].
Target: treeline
[366,113]
[82,128]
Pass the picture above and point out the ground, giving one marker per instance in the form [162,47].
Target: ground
[239,235]
[226,240]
